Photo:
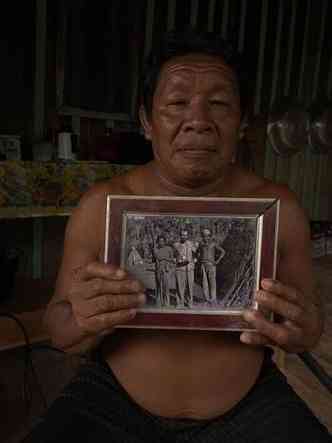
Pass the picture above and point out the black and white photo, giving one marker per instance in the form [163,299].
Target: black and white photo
[192,262]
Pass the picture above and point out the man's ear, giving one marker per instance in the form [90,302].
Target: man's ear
[145,122]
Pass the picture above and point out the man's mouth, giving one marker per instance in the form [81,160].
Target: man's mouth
[194,150]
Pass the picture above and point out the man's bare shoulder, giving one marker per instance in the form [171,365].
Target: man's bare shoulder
[289,201]
[291,211]
[252,185]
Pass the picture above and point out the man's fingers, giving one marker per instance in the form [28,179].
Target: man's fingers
[103,296]
[99,270]
[254,338]
[276,304]
[279,334]
[110,303]
[96,287]
[106,321]
[285,292]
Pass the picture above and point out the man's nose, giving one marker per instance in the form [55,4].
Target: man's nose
[198,118]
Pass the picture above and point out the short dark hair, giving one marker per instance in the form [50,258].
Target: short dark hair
[173,44]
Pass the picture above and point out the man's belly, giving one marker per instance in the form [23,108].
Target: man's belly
[183,374]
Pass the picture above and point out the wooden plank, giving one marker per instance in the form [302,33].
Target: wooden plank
[296,173]
[310,170]
[260,67]
[40,69]
[34,211]
[270,162]
[242,25]
[298,375]
[282,169]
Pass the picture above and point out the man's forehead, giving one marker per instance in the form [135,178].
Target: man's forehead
[180,66]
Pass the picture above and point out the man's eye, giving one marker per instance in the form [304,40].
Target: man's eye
[179,102]
[217,102]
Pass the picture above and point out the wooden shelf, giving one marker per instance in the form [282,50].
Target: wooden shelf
[33,212]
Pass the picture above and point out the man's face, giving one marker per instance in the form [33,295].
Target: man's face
[184,236]
[195,119]
[206,236]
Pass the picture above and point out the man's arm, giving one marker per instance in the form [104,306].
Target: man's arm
[292,296]
[90,297]
[221,253]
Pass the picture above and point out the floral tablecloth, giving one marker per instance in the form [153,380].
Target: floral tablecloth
[58,184]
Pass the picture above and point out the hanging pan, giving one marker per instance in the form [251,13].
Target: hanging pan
[287,129]
[320,133]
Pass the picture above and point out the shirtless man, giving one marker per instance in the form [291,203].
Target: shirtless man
[175,385]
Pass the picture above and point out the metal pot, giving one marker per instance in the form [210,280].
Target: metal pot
[320,133]
[287,129]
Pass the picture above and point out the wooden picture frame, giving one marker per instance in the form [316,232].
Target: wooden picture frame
[203,278]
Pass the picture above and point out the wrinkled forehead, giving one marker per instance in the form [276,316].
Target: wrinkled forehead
[182,68]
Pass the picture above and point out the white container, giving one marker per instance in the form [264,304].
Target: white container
[64,146]
[10,146]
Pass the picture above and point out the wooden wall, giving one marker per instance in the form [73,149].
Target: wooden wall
[308,175]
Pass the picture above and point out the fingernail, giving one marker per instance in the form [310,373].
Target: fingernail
[248,315]
[136,286]
[245,337]
[267,282]
[260,295]
[142,298]
[120,273]
[132,313]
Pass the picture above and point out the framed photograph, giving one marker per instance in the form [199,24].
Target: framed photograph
[200,259]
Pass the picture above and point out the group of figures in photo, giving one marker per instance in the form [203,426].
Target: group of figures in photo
[183,261]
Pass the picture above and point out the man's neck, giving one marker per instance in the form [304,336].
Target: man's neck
[216,187]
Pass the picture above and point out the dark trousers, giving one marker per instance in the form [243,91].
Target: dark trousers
[95,408]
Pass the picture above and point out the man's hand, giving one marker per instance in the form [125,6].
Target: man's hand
[102,297]
[299,325]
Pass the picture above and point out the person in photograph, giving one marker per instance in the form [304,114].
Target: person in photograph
[147,254]
[185,268]
[164,260]
[134,257]
[209,254]
[159,385]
